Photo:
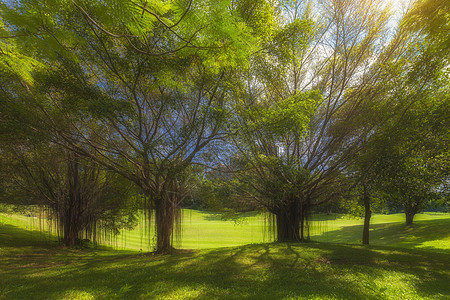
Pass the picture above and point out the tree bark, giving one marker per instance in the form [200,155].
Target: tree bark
[70,220]
[411,210]
[367,215]
[164,219]
[288,222]
[71,205]
[409,217]
[70,233]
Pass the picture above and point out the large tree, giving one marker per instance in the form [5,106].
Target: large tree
[405,157]
[82,200]
[265,163]
[139,87]
[339,50]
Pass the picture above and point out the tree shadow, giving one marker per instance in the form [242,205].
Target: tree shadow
[228,216]
[431,235]
[325,216]
[260,271]
[264,271]
[13,236]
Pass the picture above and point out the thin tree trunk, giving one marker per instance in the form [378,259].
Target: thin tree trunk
[367,215]
[304,211]
[302,224]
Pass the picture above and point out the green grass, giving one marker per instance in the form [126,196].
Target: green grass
[430,231]
[203,230]
[30,269]
[33,266]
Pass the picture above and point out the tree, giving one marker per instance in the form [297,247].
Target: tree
[384,167]
[364,177]
[407,151]
[273,176]
[342,55]
[82,199]
[140,88]
[418,167]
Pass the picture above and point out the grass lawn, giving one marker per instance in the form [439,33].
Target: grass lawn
[203,230]
[33,266]
[31,269]
[430,231]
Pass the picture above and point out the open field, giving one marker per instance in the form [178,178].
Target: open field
[202,230]
[31,269]
[33,266]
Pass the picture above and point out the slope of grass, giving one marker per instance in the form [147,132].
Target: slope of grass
[202,230]
[430,231]
[32,270]
[425,234]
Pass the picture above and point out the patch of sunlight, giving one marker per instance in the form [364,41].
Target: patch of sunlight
[438,244]
[40,274]
[397,283]
[79,295]
[185,292]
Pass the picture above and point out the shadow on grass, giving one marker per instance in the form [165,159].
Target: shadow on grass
[431,235]
[265,271]
[12,236]
[325,216]
[228,216]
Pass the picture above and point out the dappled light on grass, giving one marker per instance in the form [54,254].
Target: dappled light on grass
[436,244]
[432,234]
[202,230]
[80,295]
[270,271]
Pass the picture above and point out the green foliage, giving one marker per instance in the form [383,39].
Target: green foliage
[139,87]
[404,161]
[259,16]
[267,136]
[287,116]
[411,154]
[215,194]
[431,19]
[67,189]
[16,65]
[353,204]
[292,39]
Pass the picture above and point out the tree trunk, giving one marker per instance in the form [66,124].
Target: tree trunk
[288,222]
[70,233]
[71,205]
[164,218]
[304,212]
[410,211]
[409,217]
[302,225]
[70,220]
[367,215]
